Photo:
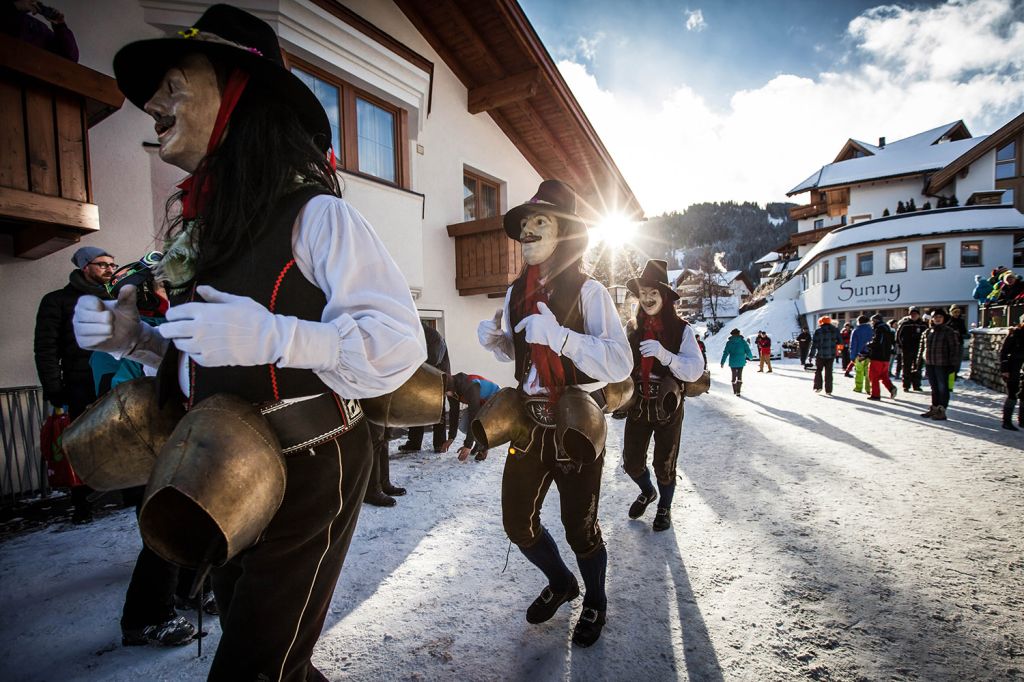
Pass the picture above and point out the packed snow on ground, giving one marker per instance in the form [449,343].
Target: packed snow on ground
[777,317]
[813,537]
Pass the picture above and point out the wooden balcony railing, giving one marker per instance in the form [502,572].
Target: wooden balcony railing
[486,260]
[810,236]
[47,105]
[807,211]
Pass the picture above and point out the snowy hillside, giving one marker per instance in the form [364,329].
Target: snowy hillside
[777,317]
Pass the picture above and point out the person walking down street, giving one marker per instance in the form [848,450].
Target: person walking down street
[664,350]
[844,345]
[736,352]
[879,351]
[63,365]
[764,351]
[824,345]
[957,322]
[908,340]
[940,352]
[803,339]
[1011,362]
[859,338]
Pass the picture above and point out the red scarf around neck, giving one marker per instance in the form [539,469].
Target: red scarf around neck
[652,330]
[549,366]
[194,201]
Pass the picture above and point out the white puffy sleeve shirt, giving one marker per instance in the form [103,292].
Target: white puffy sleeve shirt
[602,351]
[688,363]
[369,340]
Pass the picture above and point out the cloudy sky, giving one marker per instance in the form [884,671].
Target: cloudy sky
[743,99]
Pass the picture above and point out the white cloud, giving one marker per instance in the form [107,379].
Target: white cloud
[695,20]
[916,69]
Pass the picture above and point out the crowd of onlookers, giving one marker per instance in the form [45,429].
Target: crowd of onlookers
[1002,287]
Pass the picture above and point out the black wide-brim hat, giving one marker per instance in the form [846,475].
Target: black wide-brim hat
[655,274]
[554,198]
[228,36]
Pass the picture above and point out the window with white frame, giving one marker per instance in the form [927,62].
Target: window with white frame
[896,260]
[933,256]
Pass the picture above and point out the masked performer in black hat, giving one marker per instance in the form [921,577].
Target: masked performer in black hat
[665,351]
[562,332]
[281,294]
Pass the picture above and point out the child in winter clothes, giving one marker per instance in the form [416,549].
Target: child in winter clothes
[737,351]
[982,288]
[860,373]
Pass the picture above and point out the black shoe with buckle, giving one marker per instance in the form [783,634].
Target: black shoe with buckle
[639,506]
[174,632]
[588,627]
[545,605]
[663,519]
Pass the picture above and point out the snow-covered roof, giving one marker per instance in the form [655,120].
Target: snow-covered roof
[919,153]
[918,224]
[673,275]
[769,257]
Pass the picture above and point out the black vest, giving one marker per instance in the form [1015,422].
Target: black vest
[671,337]
[266,272]
[565,302]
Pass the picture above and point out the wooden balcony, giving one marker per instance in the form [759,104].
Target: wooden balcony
[811,236]
[807,211]
[486,260]
[47,105]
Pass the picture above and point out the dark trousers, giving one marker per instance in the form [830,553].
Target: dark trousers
[911,372]
[524,484]
[823,366]
[416,435]
[805,348]
[637,438]
[938,380]
[1013,393]
[274,596]
[737,374]
[154,583]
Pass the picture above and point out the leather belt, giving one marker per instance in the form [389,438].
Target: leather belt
[305,424]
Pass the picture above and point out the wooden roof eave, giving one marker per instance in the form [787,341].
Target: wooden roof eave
[993,141]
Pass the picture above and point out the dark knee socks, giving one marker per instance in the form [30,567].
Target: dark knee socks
[544,555]
[665,494]
[644,481]
[593,569]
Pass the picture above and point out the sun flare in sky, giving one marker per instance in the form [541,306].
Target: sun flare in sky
[614,231]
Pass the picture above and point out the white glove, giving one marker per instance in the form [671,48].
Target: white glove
[109,326]
[652,348]
[489,331]
[543,328]
[228,330]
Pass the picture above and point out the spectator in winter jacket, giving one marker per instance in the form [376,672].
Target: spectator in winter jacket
[824,344]
[843,352]
[879,352]
[16,20]
[957,322]
[940,352]
[764,350]
[859,338]
[908,341]
[804,339]
[63,366]
[1011,362]
[982,288]
[737,352]
[1011,287]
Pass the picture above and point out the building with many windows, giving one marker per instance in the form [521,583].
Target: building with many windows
[443,115]
[890,226]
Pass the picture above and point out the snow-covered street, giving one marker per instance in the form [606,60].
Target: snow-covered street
[829,538]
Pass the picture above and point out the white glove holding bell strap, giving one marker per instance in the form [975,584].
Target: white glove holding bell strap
[543,328]
[235,330]
[652,348]
[489,331]
[109,326]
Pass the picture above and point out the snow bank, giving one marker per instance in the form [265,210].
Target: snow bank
[778,318]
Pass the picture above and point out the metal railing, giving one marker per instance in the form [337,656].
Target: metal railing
[23,470]
[1000,315]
